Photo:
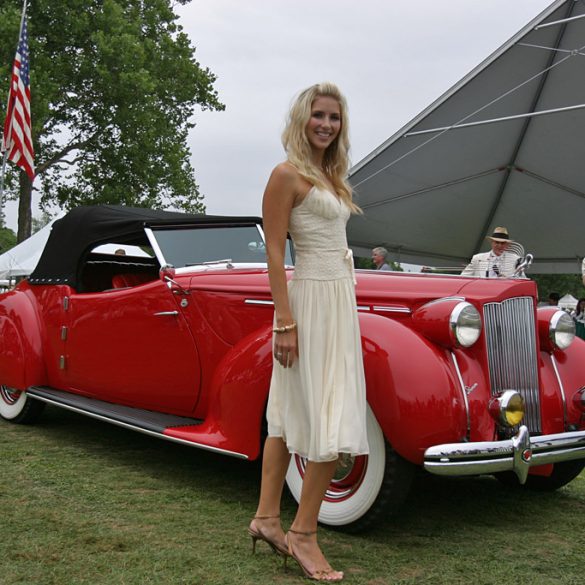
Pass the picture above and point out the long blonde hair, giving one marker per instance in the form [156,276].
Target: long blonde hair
[336,156]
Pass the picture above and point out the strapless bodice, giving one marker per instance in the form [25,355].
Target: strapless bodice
[317,227]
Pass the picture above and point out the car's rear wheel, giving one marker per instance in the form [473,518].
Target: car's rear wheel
[17,407]
[364,489]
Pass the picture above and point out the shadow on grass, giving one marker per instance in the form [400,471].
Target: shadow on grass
[177,464]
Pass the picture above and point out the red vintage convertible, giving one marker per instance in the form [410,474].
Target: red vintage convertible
[464,376]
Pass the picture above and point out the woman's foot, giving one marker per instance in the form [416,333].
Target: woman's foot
[268,529]
[304,549]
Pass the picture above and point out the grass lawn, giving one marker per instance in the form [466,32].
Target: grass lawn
[84,502]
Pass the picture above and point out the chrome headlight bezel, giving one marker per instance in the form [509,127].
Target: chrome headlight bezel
[561,330]
[465,324]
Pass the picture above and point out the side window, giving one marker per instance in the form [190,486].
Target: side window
[115,266]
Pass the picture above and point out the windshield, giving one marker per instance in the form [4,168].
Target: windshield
[197,245]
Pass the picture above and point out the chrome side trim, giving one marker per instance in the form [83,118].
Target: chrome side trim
[141,430]
[463,393]
[444,299]
[563,395]
[392,309]
[517,454]
[258,302]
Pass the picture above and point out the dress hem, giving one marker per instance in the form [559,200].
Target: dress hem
[343,450]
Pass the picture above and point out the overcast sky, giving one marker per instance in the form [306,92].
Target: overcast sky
[391,58]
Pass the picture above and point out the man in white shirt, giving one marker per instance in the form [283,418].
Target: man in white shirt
[499,263]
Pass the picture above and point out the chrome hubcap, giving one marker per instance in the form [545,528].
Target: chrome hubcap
[9,395]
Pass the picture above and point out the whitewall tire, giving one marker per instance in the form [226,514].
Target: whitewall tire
[365,489]
[17,407]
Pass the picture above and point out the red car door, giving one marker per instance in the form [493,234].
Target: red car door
[132,346]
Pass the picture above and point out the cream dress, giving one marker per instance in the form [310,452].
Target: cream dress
[318,406]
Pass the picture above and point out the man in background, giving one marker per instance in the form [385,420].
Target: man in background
[498,263]
[379,256]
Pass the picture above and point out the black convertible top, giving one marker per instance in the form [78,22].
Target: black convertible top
[83,228]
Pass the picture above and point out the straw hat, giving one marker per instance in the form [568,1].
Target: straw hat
[500,235]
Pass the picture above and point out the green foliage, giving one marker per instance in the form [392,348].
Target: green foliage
[561,283]
[38,223]
[7,239]
[114,84]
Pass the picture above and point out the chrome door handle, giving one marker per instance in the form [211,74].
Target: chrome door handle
[166,313]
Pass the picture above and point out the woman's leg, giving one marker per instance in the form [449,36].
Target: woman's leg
[274,466]
[303,537]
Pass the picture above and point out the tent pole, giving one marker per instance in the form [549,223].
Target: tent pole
[558,22]
[495,120]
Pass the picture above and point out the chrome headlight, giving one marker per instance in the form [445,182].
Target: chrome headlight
[507,408]
[561,330]
[465,324]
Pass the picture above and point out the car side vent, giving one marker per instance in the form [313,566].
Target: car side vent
[510,332]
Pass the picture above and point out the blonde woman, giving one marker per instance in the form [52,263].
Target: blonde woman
[317,403]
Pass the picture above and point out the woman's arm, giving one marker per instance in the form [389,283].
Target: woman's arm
[278,201]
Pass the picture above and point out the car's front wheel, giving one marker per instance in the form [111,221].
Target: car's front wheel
[364,489]
[562,474]
[17,407]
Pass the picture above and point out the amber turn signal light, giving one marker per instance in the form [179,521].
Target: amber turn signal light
[507,408]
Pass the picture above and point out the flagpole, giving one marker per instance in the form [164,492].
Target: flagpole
[4,160]
[5,157]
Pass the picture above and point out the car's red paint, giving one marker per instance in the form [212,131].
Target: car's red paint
[197,343]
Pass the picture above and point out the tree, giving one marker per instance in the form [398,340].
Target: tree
[38,223]
[114,88]
[561,283]
[7,239]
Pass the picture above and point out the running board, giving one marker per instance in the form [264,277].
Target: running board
[155,424]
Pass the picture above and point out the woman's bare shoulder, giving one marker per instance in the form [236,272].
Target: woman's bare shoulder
[285,172]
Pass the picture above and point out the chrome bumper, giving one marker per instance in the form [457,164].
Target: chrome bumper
[518,454]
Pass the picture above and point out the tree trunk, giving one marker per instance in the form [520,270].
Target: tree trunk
[24,208]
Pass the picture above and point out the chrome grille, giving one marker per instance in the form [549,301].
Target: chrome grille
[510,334]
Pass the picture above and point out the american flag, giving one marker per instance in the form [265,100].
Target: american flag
[17,139]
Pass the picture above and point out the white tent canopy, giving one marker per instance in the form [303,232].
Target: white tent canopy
[568,302]
[503,147]
[22,259]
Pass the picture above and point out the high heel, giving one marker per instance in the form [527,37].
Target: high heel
[319,575]
[257,534]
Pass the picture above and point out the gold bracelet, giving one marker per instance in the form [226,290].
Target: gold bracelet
[285,328]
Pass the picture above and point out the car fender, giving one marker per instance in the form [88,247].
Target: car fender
[413,412]
[570,364]
[20,337]
[238,394]
[412,387]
